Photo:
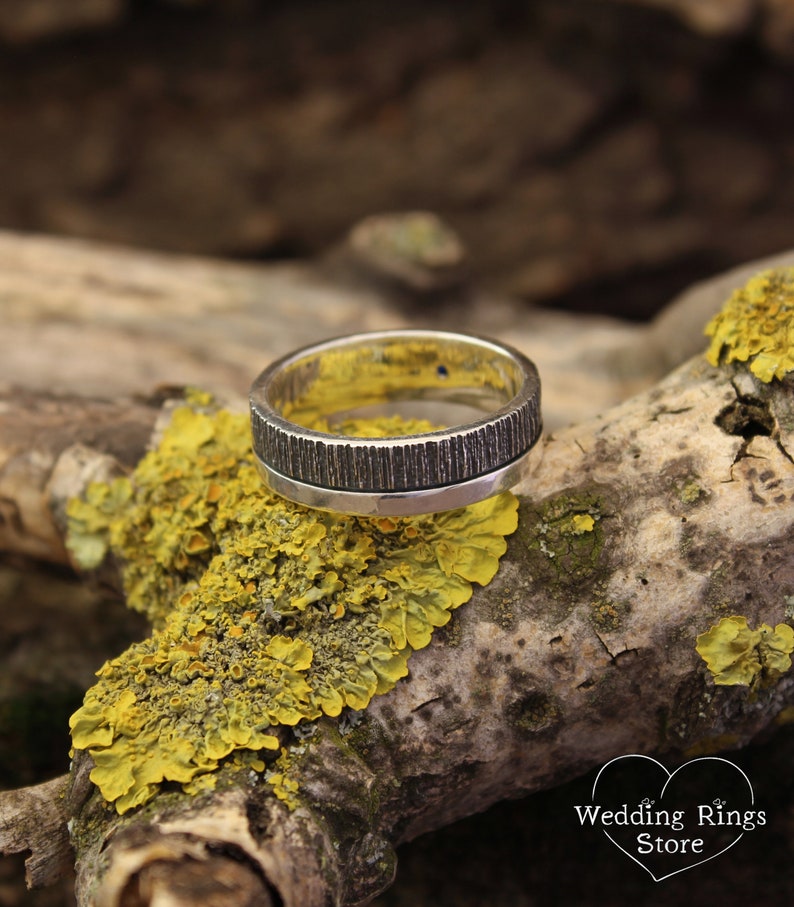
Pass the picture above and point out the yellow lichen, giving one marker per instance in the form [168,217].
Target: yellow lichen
[281,779]
[582,522]
[735,654]
[266,613]
[757,323]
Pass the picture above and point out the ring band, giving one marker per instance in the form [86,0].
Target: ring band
[404,372]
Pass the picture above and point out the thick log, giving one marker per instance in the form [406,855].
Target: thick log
[540,678]
[582,648]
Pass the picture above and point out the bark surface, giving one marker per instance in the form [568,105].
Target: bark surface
[581,649]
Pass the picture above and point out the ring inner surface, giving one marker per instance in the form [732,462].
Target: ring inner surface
[446,382]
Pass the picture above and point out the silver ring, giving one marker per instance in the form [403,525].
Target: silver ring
[410,373]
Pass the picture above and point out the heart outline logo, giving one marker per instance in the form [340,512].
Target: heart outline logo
[669,779]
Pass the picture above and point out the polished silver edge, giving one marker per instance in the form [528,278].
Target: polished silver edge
[308,466]
[397,503]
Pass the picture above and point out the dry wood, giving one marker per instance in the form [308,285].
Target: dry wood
[569,657]
[33,819]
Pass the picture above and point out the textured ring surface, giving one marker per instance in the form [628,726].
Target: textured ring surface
[404,372]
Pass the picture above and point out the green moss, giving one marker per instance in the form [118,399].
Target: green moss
[735,654]
[566,534]
[756,325]
[690,492]
[362,736]
[266,614]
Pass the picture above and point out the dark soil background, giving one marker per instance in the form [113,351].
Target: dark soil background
[591,155]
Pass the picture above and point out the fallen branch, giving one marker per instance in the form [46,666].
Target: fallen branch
[639,530]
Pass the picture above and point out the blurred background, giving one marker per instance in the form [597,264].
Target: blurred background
[591,156]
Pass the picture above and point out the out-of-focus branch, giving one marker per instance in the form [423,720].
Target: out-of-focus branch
[50,449]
